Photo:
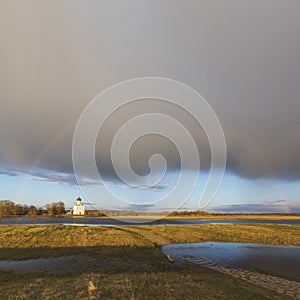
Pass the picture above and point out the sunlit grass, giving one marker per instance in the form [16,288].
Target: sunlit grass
[57,240]
[130,273]
[130,264]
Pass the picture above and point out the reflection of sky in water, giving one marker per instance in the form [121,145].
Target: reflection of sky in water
[279,260]
[60,265]
[93,221]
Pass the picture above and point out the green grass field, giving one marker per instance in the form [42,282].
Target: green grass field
[130,264]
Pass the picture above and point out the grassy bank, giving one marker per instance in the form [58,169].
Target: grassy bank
[129,263]
[213,216]
[57,239]
[242,217]
[131,273]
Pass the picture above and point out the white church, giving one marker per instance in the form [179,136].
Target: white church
[78,209]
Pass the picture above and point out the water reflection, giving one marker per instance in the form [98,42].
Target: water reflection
[276,260]
[94,221]
[73,264]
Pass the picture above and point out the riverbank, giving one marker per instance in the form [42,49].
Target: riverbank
[171,217]
[131,273]
[271,267]
[243,217]
[129,263]
[280,285]
[126,221]
[57,240]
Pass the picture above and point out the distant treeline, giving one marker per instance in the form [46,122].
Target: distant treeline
[205,213]
[189,213]
[10,209]
[94,213]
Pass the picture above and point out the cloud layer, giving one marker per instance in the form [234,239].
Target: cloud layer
[280,206]
[242,56]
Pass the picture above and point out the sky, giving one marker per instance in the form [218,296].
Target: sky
[241,56]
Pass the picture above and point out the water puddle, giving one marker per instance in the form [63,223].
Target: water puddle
[277,260]
[73,264]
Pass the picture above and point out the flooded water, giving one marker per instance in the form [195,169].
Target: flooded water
[59,266]
[279,261]
[94,221]
[274,260]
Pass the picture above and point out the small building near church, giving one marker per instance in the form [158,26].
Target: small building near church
[78,209]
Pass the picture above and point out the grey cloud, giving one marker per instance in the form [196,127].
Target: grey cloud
[69,179]
[44,175]
[281,206]
[242,56]
[141,207]
[9,173]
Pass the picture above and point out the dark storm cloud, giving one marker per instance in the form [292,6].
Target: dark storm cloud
[242,56]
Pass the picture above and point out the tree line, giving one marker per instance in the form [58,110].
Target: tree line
[189,213]
[9,209]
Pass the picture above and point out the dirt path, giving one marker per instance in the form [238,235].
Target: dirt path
[280,285]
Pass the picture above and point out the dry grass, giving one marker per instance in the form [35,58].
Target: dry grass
[130,264]
[153,279]
[58,240]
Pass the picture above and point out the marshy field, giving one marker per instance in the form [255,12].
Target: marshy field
[126,262]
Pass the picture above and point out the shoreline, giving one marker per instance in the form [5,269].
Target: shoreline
[130,256]
[160,217]
[280,285]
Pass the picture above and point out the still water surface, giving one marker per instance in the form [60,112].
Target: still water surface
[73,264]
[280,261]
[94,221]
[275,260]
